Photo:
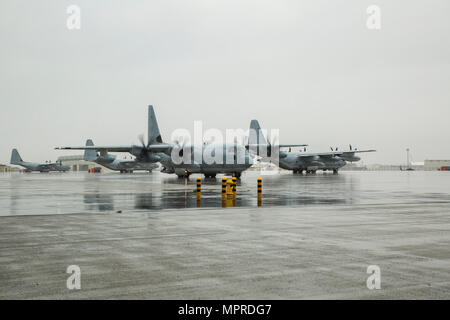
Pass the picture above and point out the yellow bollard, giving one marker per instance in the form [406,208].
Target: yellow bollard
[224,188]
[231,202]
[199,188]
[230,194]
[259,191]
[234,186]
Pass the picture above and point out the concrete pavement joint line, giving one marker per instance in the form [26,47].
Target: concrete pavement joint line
[116,239]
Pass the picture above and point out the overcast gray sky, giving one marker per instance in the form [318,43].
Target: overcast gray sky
[310,68]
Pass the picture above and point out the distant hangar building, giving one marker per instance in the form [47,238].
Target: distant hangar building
[77,163]
[5,168]
[436,164]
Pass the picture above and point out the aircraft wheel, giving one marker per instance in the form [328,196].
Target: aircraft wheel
[335,171]
[237,175]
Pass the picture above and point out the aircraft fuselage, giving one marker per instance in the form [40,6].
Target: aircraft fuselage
[207,159]
[32,166]
[292,161]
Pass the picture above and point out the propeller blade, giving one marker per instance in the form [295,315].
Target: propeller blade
[141,139]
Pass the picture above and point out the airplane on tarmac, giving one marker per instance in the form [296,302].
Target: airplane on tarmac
[33,166]
[309,162]
[109,161]
[188,156]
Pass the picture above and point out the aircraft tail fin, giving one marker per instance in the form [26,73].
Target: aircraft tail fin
[255,135]
[89,154]
[15,157]
[154,136]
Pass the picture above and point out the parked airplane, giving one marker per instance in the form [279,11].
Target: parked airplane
[309,162]
[109,161]
[157,151]
[33,166]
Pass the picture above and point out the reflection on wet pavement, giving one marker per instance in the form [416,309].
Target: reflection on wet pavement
[27,194]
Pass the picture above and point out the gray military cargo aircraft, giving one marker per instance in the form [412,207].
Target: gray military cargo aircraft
[33,166]
[309,162]
[109,161]
[191,157]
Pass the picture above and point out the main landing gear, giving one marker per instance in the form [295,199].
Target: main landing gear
[126,171]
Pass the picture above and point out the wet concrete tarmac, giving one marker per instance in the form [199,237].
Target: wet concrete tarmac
[28,194]
[313,237]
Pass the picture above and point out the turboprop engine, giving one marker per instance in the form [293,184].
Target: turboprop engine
[143,154]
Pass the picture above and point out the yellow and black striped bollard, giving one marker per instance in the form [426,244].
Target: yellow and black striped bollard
[231,200]
[199,190]
[234,186]
[259,192]
[224,191]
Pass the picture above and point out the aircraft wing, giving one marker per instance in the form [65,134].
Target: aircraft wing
[291,145]
[357,151]
[330,154]
[161,147]
[99,148]
[254,145]
[327,154]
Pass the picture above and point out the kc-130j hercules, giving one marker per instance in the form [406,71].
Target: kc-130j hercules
[183,160]
[109,161]
[309,162]
[158,151]
[33,166]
